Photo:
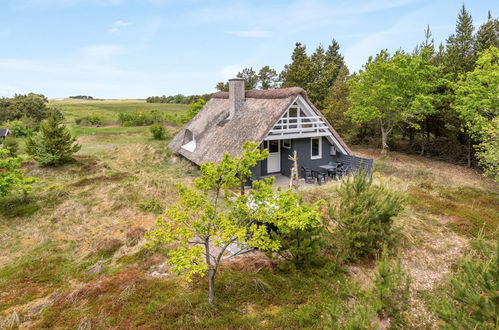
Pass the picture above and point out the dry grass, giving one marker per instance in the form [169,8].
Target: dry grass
[96,210]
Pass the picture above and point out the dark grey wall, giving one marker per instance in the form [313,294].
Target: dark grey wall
[302,147]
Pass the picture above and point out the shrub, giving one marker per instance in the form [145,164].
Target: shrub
[11,145]
[474,299]
[53,145]
[22,127]
[136,118]
[363,222]
[93,120]
[391,289]
[11,176]
[158,131]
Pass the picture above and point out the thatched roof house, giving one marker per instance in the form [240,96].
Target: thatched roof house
[281,119]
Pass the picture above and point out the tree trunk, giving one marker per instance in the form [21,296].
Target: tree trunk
[211,273]
[242,187]
[469,151]
[211,286]
[423,143]
[384,145]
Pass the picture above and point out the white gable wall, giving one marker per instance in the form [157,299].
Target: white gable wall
[312,125]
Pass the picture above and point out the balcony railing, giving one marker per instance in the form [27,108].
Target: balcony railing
[291,127]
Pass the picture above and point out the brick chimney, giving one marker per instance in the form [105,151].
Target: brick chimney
[236,96]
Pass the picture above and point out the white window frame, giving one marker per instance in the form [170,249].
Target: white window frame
[286,143]
[319,156]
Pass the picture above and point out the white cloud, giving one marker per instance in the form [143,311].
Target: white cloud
[250,33]
[116,28]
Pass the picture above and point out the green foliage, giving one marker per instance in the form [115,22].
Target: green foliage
[474,299]
[299,71]
[30,105]
[194,108]
[158,131]
[363,222]
[135,118]
[378,94]
[488,34]
[460,56]
[477,103]
[93,120]
[268,78]
[250,78]
[391,289]
[211,214]
[53,145]
[12,177]
[22,127]
[10,144]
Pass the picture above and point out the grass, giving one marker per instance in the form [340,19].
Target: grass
[108,110]
[95,210]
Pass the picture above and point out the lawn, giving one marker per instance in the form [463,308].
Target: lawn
[74,256]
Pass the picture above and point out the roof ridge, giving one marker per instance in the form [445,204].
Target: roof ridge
[278,93]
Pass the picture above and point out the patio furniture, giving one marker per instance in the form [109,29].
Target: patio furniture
[330,168]
[307,174]
[321,177]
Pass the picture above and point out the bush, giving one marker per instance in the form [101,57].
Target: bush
[11,145]
[136,118]
[391,290]
[22,127]
[92,120]
[53,145]
[474,299]
[158,131]
[363,222]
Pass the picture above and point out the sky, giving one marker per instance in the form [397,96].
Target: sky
[135,49]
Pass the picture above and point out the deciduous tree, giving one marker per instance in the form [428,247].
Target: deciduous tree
[211,216]
[477,103]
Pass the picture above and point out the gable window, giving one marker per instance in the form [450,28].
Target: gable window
[316,148]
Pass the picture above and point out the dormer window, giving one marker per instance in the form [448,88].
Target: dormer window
[189,143]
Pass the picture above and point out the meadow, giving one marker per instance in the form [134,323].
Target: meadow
[74,255]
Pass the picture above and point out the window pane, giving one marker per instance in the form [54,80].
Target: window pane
[274,146]
[315,147]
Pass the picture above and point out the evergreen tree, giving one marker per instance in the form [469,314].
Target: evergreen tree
[298,72]
[488,34]
[53,145]
[250,78]
[268,78]
[461,45]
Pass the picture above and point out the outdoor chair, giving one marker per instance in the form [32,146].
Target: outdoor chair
[307,174]
[321,177]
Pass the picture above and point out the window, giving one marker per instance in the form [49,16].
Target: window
[286,144]
[316,148]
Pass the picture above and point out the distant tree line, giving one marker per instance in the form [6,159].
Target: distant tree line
[177,99]
[82,97]
[440,101]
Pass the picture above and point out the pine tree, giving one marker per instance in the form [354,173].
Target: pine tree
[488,34]
[461,45]
[250,78]
[268,78]
[298,73]
[53,145]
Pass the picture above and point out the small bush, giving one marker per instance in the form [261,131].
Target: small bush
[53,145]
[92,120]
[22,127]
[139,118]
[11,145]
[153,206]
[158,131]
[391,289]
[474,299]
[363,222]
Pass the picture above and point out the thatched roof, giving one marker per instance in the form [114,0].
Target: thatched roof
[214,135]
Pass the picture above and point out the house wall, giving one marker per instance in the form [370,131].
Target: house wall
[302,147]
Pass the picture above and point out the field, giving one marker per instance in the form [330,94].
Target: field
[74,256]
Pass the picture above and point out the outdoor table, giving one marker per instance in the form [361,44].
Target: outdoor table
[328,167]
